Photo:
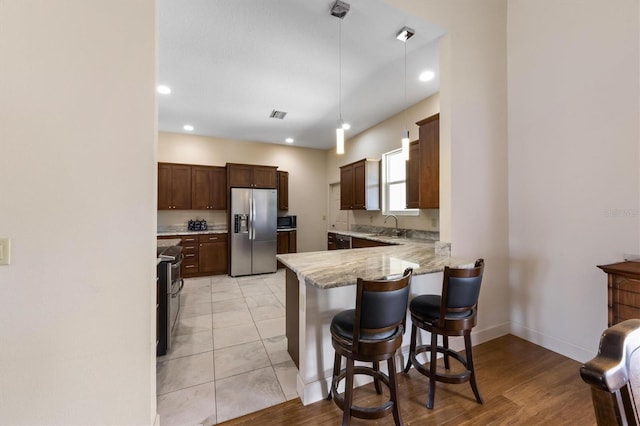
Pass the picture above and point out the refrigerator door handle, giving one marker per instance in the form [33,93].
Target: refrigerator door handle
[252,212]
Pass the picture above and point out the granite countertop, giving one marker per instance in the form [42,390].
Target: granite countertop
[337,268]
[168,242]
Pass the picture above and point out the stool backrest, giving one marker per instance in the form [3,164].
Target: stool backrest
[381,307]
[461,289]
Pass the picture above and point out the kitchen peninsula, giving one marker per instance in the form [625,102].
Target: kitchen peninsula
[321,284]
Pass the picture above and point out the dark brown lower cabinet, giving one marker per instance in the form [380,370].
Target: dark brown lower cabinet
[287,242]
[362,243]
[212,256]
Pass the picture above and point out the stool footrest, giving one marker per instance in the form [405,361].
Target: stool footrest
[462,377]
[358,411]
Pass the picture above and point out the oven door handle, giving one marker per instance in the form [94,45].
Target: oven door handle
[179,290]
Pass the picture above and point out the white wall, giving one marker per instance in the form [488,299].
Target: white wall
[473,143]
[306,167]
[77,199]
[573,164]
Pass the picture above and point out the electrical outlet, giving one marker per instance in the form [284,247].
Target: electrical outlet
[5,251]
[433,222]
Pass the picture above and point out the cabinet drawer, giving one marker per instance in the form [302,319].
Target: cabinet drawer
[213,238]
[189,240]
[189,266]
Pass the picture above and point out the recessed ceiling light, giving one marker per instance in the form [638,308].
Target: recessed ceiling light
[289,140]
[164,90]
[346,126]
[188,127]
[427,76]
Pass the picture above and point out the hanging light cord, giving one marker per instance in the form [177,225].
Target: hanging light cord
[340,67]
[405,86]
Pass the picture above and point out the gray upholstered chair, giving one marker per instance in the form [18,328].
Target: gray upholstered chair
[614,375]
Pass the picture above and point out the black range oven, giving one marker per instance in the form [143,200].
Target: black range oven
[170,286]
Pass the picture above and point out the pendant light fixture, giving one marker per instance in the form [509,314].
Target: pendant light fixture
[404,35]
[340,10]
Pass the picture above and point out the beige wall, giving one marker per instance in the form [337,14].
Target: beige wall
[77,165]
[573,164]
[374,142]
[473,142]
[307,178]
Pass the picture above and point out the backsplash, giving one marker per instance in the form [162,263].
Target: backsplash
[177,220]
[407,233]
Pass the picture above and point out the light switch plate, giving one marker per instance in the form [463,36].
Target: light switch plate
[5,251]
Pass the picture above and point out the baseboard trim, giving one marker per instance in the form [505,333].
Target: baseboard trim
[554,344]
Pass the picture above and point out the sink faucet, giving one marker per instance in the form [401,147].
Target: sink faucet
[397,234]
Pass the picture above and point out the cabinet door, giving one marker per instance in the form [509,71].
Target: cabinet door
[282,242]
[265,177]
[174,186]
[200,188]
[164,186]
[413,176]
[283,190]
[430,162]
[293,241]
[213,254]
[218,188]
[239,175]
[181,187]
[346,188]
[359,185]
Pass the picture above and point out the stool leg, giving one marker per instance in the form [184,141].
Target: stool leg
[348,394]
[445,344]
[432,369]
[412,347]
[336,371]
[393,389]
[376,382]
[470,367]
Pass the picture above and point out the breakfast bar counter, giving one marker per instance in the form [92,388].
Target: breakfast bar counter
[321,284]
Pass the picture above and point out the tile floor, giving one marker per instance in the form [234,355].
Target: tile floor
[229,355]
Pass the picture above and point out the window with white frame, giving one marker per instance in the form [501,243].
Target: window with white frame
[394,184]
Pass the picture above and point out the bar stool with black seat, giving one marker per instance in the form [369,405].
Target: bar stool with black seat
[372,332]
[453,313]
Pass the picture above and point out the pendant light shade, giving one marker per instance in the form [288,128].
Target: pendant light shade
[339,140]
[405,145]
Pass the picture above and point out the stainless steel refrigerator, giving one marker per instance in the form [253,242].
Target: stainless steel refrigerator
[253,231]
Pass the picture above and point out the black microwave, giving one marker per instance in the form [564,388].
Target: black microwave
[286,222]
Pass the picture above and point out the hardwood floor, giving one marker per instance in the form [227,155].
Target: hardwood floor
[521,383]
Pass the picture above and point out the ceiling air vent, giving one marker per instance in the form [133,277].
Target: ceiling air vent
[277,114]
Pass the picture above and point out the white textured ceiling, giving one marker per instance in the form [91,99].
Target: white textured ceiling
[229,63]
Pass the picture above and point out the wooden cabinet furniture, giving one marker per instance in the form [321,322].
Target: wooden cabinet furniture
[212,254]
[287,242]
[423,167]
[331,241]
[623,291]
[362,243]
[360,185]
[174,186]
[204,254]
[251,176]
[283,190]
[208,188]
[190,249]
